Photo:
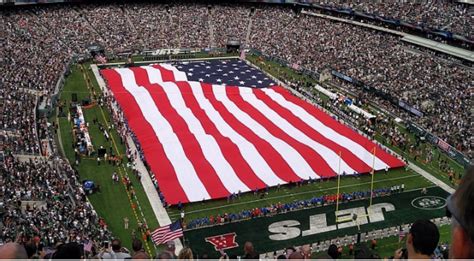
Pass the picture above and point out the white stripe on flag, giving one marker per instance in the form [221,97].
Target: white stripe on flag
[248,150]
[167,236]
[208,144]
[357,149]
[331,157]
[185,171]
[154,77]
[178,75]
[293,158]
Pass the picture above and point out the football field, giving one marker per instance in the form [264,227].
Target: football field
[114,202]
[317,224]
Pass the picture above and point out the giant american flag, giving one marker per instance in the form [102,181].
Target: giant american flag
[209,129]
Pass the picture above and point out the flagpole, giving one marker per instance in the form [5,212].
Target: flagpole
[338,185]
[184,239]
[372,182]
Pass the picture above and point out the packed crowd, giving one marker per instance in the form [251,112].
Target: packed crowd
[39,41]
[437,89]
[445,15]
[43,203]
[279,208]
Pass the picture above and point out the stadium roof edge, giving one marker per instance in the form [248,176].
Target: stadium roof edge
[441,47]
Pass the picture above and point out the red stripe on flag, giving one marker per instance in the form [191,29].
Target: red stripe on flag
[276,162]
[352,160]
[191,146]
[166,75]
[230,151]
[317,163]
[150,144]
[341,128]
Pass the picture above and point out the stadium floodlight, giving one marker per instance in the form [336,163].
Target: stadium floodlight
[354,217]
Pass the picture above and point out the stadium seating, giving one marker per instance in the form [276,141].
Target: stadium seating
[39,42]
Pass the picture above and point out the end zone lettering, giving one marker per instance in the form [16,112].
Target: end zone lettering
[288,229]
[311,225]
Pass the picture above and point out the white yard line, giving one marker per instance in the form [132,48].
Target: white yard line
[155,202]
[430,177]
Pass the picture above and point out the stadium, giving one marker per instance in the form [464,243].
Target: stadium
[236,129]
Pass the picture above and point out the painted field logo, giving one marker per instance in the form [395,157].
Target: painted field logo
[221,242]
[429,202]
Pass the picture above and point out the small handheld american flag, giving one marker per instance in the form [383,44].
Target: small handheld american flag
[167,233]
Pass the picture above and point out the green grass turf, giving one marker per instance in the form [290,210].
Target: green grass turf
[432,167]
[112,202]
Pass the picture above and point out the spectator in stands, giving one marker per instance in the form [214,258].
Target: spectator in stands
[170,249]
[296,255]
[249,251]
[117,252]
[165,255]
[422,240]
[305,250]
[138,251]
[71,250]
[461,210]
[333,252]
[363,252]
[13,251]
[185,254]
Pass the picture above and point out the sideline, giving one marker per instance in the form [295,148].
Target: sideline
[301,209]
[121,169]
[299,193]
[155,202]
[430,177]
